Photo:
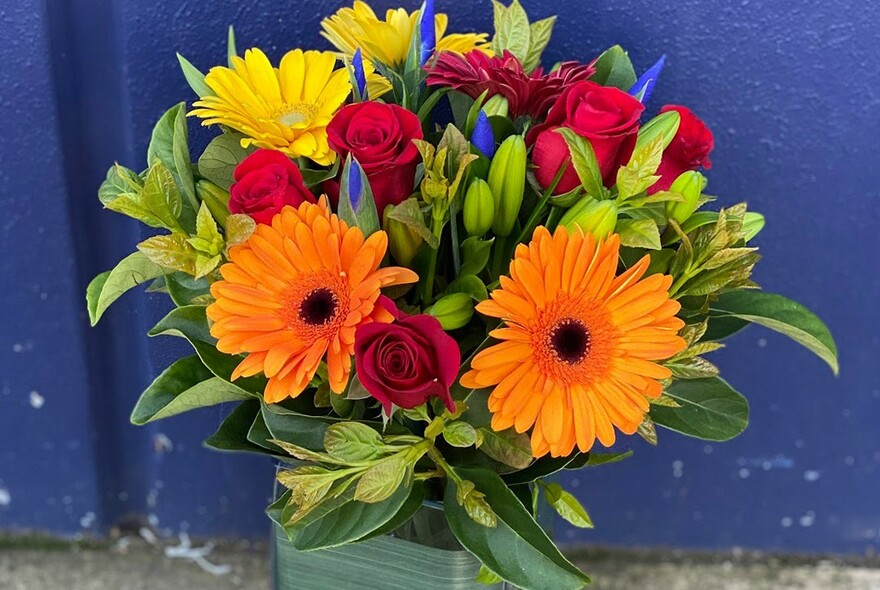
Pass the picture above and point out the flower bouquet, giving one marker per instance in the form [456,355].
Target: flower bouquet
[432,273]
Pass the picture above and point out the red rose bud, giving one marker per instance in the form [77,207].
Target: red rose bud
[454,310]
[690,186]
[688,150]
[407,362]
[265,182]
[216,199]
[507,181]
[379,136]
[479,208]
[606,116]
[593,217]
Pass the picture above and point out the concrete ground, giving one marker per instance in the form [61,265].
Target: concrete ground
[134,564]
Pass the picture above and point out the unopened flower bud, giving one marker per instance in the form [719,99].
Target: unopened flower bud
[496,106]
[454,310]
[507,181]
[479,208]
[593,217]
[215,198]
[403,241]
[690,186]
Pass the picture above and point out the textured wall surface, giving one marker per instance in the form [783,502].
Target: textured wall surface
[792,91]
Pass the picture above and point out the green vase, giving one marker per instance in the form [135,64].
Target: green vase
[423,554]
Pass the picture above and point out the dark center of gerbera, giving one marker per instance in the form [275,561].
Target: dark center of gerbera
[570,341]
[318,307]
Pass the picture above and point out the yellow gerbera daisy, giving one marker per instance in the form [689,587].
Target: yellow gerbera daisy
[388,41]
[286,108]
[577,351]
[295,292]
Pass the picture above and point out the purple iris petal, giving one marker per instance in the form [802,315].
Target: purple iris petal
[427,31]
[360,77]
[645,84]
[483,138]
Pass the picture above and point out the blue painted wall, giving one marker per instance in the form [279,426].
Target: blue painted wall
[792,91]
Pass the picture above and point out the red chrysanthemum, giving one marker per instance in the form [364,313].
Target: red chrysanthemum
[527,94]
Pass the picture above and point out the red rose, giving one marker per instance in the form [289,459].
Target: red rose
[408,361]
[606,116]
[688,150]
[379,136]
[265,182]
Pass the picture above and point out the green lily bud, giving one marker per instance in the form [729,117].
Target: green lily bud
[753,223]
[593,217]
[507,181]
[215,198]
[689,185]
[496,106]
[454,310]
[479,208]
[665,124]
[403,241]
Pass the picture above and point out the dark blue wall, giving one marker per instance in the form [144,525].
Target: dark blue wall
[792,91]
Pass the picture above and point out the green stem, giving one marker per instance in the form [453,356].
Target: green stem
[532,221]
[438,460]
[437,230]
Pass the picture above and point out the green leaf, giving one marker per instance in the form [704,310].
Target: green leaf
[539,37]
[517,549]
[487,577]
[161,198]
[185,289]
[722,327]
[781,315]
[379,482]
[341,520]
[409,214]
[239,227]
[313,178]
[194,78]
[232,435]
[567,506]
[108,286]
[710,409]
[120,181]
[219,160]
[638,233]
[475,255]
[413,504]
[186,385]
[692,368]
[597,459]
[353,442]
[614,68]
[639,173]
[191,323]
[307,432]
[512,30]
[230,47]
[508,447]
[169,144]
[460,434]
[583,158]
[469,284]
[171,251]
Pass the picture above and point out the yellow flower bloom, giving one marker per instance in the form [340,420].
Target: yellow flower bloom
[285,108]
[388,41]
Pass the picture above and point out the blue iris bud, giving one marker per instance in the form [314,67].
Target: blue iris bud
[427,31]
[360,76]
[483,137]
[643,88]
[355,186]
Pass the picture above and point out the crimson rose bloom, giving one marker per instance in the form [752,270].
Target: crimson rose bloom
[380,137]
[606,116]
[408,361]
[688,150]
[265,182]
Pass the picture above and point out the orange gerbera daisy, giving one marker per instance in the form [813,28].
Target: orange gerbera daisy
[578,345]
[295,292]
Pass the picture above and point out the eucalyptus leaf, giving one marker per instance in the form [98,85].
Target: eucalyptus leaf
[517,549]
[186,385]
[710,409]
[781,315]
[108,286]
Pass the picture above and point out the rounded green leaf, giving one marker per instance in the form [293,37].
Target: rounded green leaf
[710,409]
